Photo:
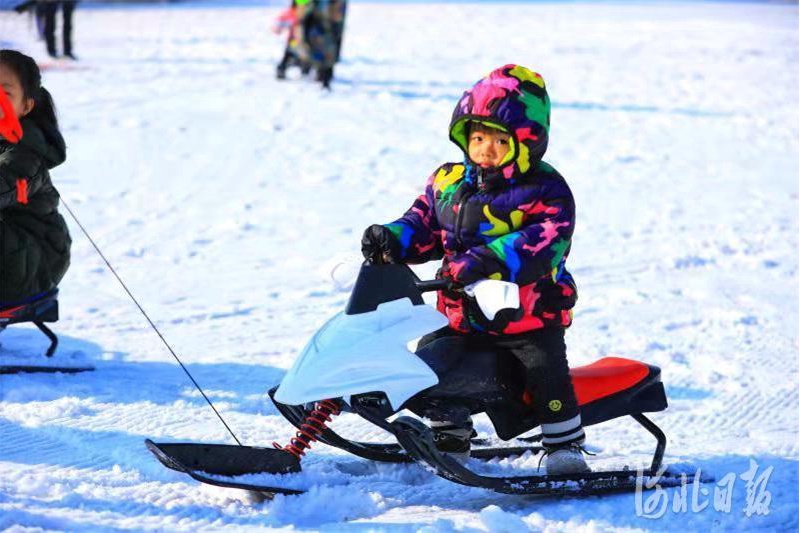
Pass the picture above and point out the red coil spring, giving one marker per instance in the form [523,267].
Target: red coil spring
[314,425]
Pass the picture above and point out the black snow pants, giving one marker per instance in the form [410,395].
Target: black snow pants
[49,10]
[543,354]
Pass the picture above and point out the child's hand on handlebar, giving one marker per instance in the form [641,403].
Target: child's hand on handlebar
[452,284]
[379,245]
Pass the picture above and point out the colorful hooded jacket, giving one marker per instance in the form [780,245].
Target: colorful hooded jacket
[512,223]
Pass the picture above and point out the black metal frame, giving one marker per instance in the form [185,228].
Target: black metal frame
[417,439]
[661,439]
[41,309]
[390,452]
[416,444]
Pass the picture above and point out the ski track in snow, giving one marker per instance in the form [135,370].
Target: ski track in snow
[224,198]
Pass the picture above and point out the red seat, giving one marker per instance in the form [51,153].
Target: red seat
[605,377]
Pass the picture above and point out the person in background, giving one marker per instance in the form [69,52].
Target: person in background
[323,33]
[315,35]
[48,10]
[295,52]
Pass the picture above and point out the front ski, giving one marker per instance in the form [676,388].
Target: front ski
[213,463]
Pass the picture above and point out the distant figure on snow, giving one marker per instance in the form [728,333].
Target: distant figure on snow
[289,21]
[34,239]
[47,11]
[315,36]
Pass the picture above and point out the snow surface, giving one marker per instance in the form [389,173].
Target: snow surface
[224,199]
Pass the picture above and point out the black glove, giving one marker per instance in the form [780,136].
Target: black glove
[452,285]
[379,245]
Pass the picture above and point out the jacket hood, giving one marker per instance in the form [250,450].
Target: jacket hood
[514,99]
[45,141]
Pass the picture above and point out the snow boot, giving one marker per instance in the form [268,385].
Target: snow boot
[453,440]
[565,460]
[283,66]
[325,75]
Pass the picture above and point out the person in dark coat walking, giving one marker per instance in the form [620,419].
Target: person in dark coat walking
[34,238]
[47,10]
[323,33]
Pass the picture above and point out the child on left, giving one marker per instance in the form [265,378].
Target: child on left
[34,238]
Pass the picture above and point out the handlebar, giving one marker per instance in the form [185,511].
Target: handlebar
[422,285]
[433,285]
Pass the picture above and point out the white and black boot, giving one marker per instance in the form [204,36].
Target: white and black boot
[564,460]
[562,443]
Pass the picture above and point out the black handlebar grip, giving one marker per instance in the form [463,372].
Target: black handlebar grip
[433,285]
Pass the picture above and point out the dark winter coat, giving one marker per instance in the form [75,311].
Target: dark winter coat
[34,239]
[512,223]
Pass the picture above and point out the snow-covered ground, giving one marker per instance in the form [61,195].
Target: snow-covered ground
[223,198]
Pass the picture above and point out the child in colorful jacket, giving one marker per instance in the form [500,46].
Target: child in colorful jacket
[501,214]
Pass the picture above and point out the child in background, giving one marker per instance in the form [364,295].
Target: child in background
[295,52]
[501,214]
[34,239]
[315,36]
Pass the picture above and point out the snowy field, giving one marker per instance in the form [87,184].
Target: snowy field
[224,198]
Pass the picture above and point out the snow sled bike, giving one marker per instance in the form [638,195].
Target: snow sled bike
[359,362]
